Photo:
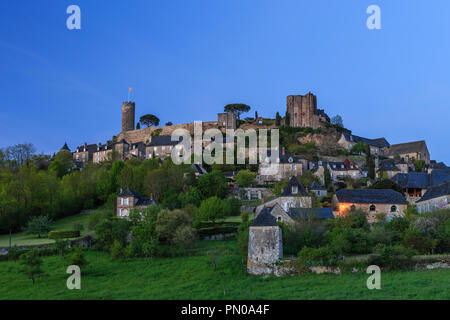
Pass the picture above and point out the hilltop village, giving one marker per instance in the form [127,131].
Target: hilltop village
[323,171]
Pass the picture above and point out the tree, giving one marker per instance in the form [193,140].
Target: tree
[245,178]
[39,225]
[168,222]
[138,126]
[237,109]
[278,119]
[232,207]
[337,121]
[213,184]
[212,209]
[78,258]
[256,115]
[168,124]
[62,164]
[370,164]
[149,120]
[327,177]
[20,153]
[419,165]
[287,119]
[358,148]
[31,264]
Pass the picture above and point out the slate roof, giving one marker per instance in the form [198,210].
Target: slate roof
[421,180]
[163,141]
[287,191]
[382,196]
[286,157]
[388,165]
[264,219]
[141,201]
[408,147]
[316,186]
[337,166]
[91,148]
[436,191]
[379,142]
[306,213]
[65,147]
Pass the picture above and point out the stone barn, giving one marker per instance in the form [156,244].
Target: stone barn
[265,246]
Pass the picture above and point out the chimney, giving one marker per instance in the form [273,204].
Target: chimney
[283,151]
[85,145]
[151,196]
[262,200]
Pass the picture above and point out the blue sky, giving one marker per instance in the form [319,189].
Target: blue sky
[187,59]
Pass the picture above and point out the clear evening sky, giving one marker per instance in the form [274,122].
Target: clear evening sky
[185,60]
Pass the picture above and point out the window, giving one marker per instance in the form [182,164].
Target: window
[278,218]
[394,209]
[127,201]
[120,212]
[373,209]
[121,202]
[294,189]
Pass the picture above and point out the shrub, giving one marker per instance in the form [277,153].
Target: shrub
[244,216]
[242,239]
[184,237]
[78,227]
[78,258]
[393,257]
[322,256]
[63,234]
[301,234]
[117,250]
[39,225]
[31,264]
[168,222]
[415,240]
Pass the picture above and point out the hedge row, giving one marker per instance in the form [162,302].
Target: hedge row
[207,232]
[207,224]
[63,234]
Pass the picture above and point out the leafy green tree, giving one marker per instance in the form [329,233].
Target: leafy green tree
[212,209]
[61,247]
[327,178]
[149,120]
[168,222]
[77,258]
[287,119]
[232,207]
[237,109]
[278,119]
[62,163]
[245,178]
[358,148]
[370,163]
[244,216]
[213,184]
[138,126]
[184,237]
[39,225]
[31,264]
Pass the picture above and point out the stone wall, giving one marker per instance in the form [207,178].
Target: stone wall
[431,205]
[287,202]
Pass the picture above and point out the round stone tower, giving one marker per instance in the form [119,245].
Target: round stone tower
[128,116]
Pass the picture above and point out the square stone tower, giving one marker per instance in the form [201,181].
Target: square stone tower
[302,110]
[265,245]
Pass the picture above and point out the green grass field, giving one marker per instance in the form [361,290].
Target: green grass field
[24,239]
[194,278]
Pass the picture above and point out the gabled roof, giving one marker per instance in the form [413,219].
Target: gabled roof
[379,142]
[311,213]
[163,141]
[316,186]
[388,165]
[90,148]
[141,201]
[287,191]
[337,166]
[408,147]
[287,157]
[382,196]
[264,219]
[436,191]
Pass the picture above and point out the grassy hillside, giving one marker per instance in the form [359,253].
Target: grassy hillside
[23,238]
[194,278]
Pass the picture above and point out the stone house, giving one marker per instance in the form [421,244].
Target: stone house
[160,147]
[265,245]
[84,153]
[387,169]
[410,151]
[286,166]
[127,200]
[415,184]
[103,152]
[294,195]
[340,170]
[436,198]
[371,201]
[137,150]
[227,120]
[377,146]
[318,190]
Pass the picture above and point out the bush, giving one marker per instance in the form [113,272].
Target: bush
[117,250]
[300,234]
[415,240]
[78,258]
[168,222]
[184,237]
[322,256]
[63,234]
[244,216]
[393,257]
[78,227]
